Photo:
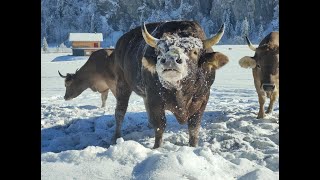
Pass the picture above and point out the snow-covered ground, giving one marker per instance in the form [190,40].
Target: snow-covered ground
[76,135]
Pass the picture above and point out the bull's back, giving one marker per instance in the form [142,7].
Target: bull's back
[271,39]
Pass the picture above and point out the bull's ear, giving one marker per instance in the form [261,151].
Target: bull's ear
[109,51]
[213,60]
[247,62]
[149,65]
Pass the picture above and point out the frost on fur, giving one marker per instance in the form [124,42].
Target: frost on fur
[247,62]
[171,47]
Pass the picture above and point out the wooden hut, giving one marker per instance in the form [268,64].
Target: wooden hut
[83,44]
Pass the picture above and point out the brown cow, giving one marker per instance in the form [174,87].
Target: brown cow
[265,64]
[172,69]
[95,74]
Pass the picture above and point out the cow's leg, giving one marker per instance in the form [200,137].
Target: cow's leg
[194,123]
[157,119]
[193,127]
[273,99]
[104,97]
[123,93]
[262,100]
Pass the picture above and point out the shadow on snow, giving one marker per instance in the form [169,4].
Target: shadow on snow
[69,58]
[98,131]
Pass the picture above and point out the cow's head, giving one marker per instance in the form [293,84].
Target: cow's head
[74,85]
[177,57]
[266,64]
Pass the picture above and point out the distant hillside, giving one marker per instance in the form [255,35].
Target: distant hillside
[115,17]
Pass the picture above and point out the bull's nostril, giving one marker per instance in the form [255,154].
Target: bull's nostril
[163,61]
[179,61]
[268,87]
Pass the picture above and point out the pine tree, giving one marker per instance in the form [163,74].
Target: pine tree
[245,27]
[237,29]
[275,21]
[226,21]
[252,28]
[260,35]
[44,44]
[62,47]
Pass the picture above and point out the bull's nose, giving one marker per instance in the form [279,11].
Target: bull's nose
[268,87]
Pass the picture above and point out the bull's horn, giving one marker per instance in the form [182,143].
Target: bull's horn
[61,75]
[250,45]
[208,43]
[150,40]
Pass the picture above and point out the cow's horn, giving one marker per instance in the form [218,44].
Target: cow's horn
[76,71]
[250,45]
[61,75]
[208,43]
[150,40]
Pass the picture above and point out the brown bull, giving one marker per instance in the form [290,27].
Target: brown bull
[94,74]
[172,69]
[265,70]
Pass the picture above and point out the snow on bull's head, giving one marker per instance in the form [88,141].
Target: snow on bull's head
[178,56]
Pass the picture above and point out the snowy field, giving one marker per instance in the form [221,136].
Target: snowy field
[76,135]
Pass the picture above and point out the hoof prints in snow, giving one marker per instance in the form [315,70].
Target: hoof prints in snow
[76,135]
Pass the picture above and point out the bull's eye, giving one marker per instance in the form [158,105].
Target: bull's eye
[258,66]
[195,53]
[67,83]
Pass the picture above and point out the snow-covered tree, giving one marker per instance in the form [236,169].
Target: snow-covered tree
[260,34]
[245,27]
[60,17]
[237,29]
[275,20]
[61,48]
[252,28]
[226,21]
[44,44]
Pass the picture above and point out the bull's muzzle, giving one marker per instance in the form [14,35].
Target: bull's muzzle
[268,87]
[171,60]
[67,98]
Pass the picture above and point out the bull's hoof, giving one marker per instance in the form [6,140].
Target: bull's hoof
[268,111]
[260,116]
[114,139]
[156,146]
[157,143]
[193,143]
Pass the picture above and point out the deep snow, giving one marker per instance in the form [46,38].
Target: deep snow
[76,134]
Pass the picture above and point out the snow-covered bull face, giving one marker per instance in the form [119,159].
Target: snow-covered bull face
[177,56]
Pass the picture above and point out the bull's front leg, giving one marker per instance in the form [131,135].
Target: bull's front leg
[160,126]
[193,126]
[157,119]
[273,99]
[262,100]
